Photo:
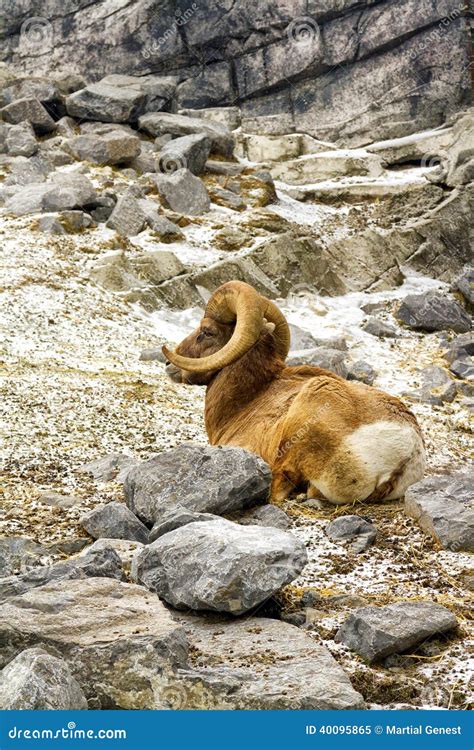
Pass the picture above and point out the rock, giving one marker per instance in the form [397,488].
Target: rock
[138,277]
[127,218]
[328,359]
[460,161]
[459,347]
[261,148]
[159,123]
[176,518]
[68,190]
[240,268]
[105,204]
[326,166]
[228,169]
[378,632]
[433,312]
[227,116]
[437,386]
[158,90]
[184,193]
[19,553]
[66,127]
[119,639]
[114,147]
[114,521]
[56,500]
[361,371]
[152,355]
[465,285]
[200,478]
[187,152]
[106,103]
[443,507]
[258,664]
[124,548]
[35,680]
[265,515]
[463,367]
[228,199]
[301,339]
[379,328]
[113,467]
[20,140]
[165,229]
[414,147]
[219,565]
[29,110]
[358,532]
[101,563]
[50,225]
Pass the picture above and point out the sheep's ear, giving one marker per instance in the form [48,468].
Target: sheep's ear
[269,326]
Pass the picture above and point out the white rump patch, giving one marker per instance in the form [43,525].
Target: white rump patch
[382,447]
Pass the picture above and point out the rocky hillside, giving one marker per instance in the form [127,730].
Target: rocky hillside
[350,71]
[118,218]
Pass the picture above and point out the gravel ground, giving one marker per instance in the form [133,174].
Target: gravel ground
[73,389]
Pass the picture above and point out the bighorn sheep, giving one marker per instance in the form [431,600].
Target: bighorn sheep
[343,440]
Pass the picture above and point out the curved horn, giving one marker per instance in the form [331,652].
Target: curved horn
[282,331]
[232,301]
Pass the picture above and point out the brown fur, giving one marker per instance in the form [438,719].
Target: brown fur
[295,418]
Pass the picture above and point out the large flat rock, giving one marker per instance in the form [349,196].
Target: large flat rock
[259,663]
[116,637]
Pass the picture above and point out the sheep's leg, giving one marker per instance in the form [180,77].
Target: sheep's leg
[282,486]
[313,493]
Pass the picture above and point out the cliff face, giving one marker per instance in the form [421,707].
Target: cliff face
[339,70]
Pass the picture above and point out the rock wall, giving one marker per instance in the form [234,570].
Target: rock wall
[340,70]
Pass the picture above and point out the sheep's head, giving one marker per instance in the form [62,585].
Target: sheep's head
[234,319]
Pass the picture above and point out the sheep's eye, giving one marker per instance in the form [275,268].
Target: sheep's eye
[204,334]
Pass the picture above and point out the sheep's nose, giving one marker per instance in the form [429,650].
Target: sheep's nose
[167,362]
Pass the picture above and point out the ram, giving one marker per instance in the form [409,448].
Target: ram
[341,440]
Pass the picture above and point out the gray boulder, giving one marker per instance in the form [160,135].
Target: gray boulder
[433,312]
[96,564]
[19,553]
[124,548]
[187,152]
[29,110]
[114,521]
[184,193]
[227,198]
[264,515]
[176,518]
[159,123]
[119,638]
[113,467]
[37,681]
[20,140]
[463,367]
[127,218]
[301,339]
[379,328]
[219,565]
[106,103]
[361,371]
[444,508]
[114,147]
[378,632]
[205,479]
[50,225]
[257,663]
[465,285]
[437,387]
[356,531]
[328,359]
[459,347]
